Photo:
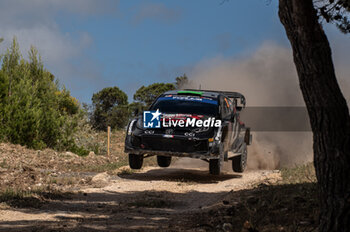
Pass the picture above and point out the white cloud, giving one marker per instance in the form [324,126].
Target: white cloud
[53,45]
[34,23]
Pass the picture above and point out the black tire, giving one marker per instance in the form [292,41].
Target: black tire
[214,166]
[239,163]
[135,161]
[163,161]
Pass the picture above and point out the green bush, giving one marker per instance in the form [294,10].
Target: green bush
[34,110]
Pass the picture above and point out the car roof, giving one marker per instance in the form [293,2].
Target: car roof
[204,93]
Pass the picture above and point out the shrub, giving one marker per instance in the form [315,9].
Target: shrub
[34,110]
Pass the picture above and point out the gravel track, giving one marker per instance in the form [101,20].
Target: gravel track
[153,198]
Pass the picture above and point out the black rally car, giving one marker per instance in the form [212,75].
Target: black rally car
[171,128]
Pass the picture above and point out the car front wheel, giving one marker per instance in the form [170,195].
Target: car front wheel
[214,166]
[135,161]
[163,161]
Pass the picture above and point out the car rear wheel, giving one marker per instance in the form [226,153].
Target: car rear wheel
[135,161]
[239,163]
[214,166]
[163,161]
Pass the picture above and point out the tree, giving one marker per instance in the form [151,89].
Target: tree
[109,108]
[11,62]
[136,108]
[34,110]
[67,104]
[335,12]
[181,82]
[327,108]
[118,117]
[35,64]
[147,94]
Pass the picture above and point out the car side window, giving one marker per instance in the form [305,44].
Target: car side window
[226,108]
[230,108]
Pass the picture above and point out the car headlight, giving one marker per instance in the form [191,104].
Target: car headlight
[139,123]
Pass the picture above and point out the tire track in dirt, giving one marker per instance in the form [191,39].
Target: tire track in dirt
[153,198]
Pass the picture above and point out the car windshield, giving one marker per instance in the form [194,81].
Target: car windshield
[186,105]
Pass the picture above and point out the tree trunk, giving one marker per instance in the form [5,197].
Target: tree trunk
[327,108]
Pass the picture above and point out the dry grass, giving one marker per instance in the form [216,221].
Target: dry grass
[290,205]
[22,169]
[299,174]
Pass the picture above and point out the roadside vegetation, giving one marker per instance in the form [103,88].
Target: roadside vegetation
[38,112]
[35,110]
[51,143]
[289,205]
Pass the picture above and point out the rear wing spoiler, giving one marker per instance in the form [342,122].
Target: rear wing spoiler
[234,95]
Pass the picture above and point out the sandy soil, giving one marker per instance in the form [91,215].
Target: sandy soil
[147,200]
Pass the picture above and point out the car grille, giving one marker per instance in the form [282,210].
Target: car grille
[175,145]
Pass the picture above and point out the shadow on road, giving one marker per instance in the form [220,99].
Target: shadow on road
[156,210]
[114,211]
[180,175]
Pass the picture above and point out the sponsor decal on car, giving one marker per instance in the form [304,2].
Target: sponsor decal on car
[188,98]
[151,119]
[155,119]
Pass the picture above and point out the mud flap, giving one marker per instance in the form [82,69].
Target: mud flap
[248,136]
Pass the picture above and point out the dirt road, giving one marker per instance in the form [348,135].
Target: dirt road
[154,198]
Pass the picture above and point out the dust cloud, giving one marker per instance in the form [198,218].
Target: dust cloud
[267,77]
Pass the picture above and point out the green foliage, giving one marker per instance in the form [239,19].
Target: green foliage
[34,110]
[136,108]
[110,108]
[67,103]
[79,150]
[118,117]
[147,94]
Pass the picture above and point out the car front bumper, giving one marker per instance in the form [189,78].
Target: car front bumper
[172,145]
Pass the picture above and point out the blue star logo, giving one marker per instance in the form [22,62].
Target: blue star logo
[151,119]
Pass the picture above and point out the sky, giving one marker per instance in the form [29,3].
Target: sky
[92,44]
